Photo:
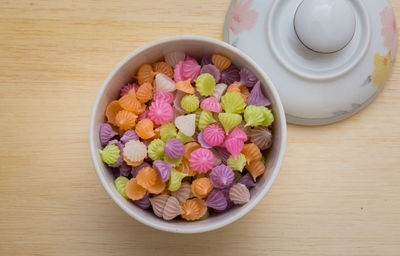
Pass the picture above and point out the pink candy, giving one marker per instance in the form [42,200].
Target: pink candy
[235,141]
[161,112]
[144,115]
[202,160]
[165,96]
[213,135]
[187,69]
[211,104]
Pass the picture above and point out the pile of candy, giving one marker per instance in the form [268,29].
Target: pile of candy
[182,142]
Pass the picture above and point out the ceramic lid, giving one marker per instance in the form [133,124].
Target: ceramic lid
[327,58]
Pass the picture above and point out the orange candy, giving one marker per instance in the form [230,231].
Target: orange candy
[256,169]
[185,86]
[133,190]
[189,148]
[144,129]
[242,89]
[220,61]
[163,67]
[125,120]
[148,178]
[112,110]
[194,209]
[130,103]
[157,133]
[251,152]
[145,74]
[144,93]
[201,187]
[184,167]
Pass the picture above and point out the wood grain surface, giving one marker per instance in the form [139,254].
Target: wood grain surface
[338,192]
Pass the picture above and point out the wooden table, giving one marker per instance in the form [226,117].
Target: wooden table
[338,192]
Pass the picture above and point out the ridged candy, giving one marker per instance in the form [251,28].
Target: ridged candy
[230,75]
[113,108]
[110,154]
[173,58]
[163,169]
[143,203]
[217,201]
[205,84]
[144,93]
[251,152]
[174,148]
[165,96]
[211,104]
[187,69]
[238,163]
[106,133]
[158,204]
[135,151]
[213,135]
[229,121]
[189,148]
[163,68]
[247,180]
[201,187]
[233,102]
[184,167]
[256,116]
[256,169]
[172,209]
[120,184]
[194,209]
[201,160]
[221,176]
[239,194]
[183,138]
[220,61]
[185,86]
[261,136]
[128,136]
[135,169]
[190,103]
[126,88]
[125,119]
[219,90]
[201,140]
[156,149]
[145,74]
[168,131]
[133,190]
[148,179]
[120,146]
[145,129]
[247,77]
[206,118]
[160,112]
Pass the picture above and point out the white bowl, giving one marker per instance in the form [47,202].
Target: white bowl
[195,46]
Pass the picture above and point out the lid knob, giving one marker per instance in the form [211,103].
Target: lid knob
[325,26]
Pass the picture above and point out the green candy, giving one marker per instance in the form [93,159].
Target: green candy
[238,175]
[155,150]
[120,184]
[205,84]
[175,180]
[229,120]
[190,103]
[206,118]
[168,131]
[174,161]
[198,113]
[256,116]
[233,102]
[110,154]
[238,163]
[184,138]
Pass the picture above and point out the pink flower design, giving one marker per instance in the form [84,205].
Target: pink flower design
[241,17]
[389,30]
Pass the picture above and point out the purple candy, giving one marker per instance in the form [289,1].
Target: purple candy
[106,133]
[225,191]
[200,139]
[143,203]
[126,88]
[174,148]
[206,60]
[115,172]
[125,170]
[257,97]
[247,77]
[230,75]
[221,176]
[224,154]
[212,70]
[216,200]
[163,169]
[135,169]
[129,135]
[248,181]
[121,157]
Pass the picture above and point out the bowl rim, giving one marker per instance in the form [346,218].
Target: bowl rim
[250,205]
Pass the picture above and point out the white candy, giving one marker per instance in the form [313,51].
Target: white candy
[164,83]
[173,58]
[186,124]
